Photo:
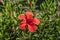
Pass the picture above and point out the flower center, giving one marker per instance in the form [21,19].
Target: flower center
[28,21]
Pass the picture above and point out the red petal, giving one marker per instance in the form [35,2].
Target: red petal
[29,14]
[21,17]
[1,1]
[36,21]
[32,28]
[22,25]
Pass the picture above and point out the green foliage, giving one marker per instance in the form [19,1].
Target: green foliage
[49,29]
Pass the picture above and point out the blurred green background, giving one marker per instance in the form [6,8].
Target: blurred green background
[48,11]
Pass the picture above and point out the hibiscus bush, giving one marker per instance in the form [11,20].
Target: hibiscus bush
[29,20]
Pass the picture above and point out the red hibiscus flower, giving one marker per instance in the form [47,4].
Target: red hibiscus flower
[28,21]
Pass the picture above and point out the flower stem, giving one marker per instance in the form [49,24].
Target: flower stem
[23,35]
[29,35]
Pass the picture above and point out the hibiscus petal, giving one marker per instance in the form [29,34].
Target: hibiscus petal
[21,17]
[32,28]
[36,21]
[22,25]
[29,14]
